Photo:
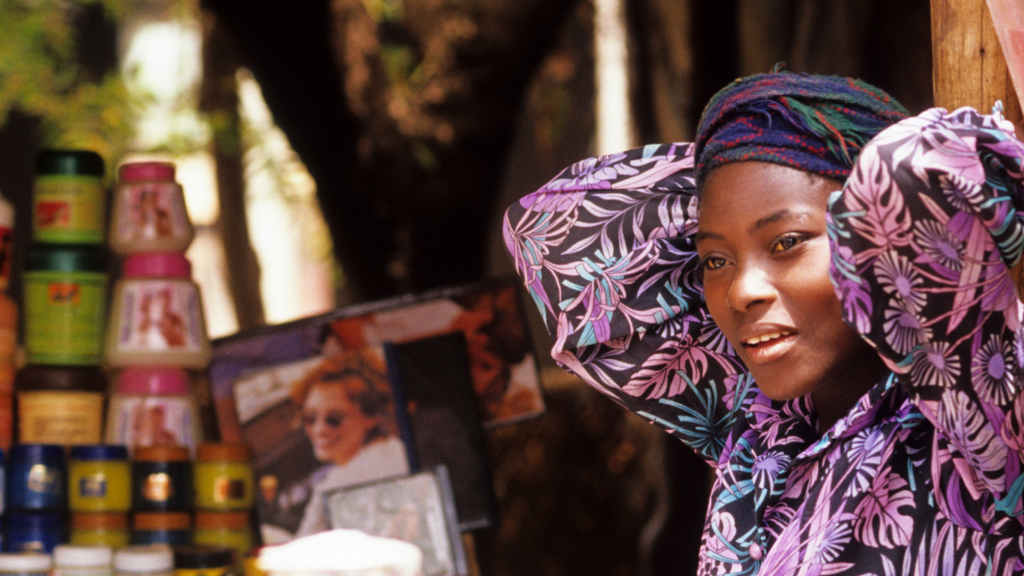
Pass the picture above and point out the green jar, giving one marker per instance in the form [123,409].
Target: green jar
[65,293]
[69,202]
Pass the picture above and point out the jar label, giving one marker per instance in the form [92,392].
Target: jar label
[226,489]
[35,546]
[160,315]
[64,417]
[151,421]
[8,344]
[215,571]
[64,316]
[94,486]
[43,479]
[69,209]
[151,211]
[157,487]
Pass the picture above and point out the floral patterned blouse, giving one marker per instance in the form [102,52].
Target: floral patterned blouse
[924,474]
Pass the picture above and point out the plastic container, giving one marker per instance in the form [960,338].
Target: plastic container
[74,560]
[231,529]
[69,201]
[341,552]
[6,241]
[60,404]
[161,479]
[100,529]
[3,481]
[223,477]
[25,564]
[144,560]
[149,212]
[99,479]
[65,300]
[198,560]
[157,315]
[34,531]
[8,324]
[36,478]
[8,366]
[171,528]
[152,406]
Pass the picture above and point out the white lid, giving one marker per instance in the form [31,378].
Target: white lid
[72,555]
[25,562]
[144,558]
[339,551]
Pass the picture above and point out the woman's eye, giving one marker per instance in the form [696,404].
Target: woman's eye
[785,243]
[712,263]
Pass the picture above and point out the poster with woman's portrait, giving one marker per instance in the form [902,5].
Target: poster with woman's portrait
[490,317]
[317,424]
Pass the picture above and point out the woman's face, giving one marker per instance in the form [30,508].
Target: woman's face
[334,424]
[764,249]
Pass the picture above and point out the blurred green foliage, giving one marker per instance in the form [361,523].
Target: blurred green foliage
[40,76]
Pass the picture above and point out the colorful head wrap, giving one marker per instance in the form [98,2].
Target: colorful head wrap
[815,123]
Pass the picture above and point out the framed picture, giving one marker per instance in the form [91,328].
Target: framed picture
[314,424]
[417,509]
[503,368]
[434,377]
[489,315]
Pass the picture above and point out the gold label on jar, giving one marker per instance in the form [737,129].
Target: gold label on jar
[31,546]
[43,479]
[157,487]
[94,486]
[228,489]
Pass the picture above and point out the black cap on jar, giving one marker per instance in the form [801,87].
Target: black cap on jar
[69,163]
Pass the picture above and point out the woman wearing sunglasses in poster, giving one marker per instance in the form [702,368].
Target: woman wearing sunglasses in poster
[348,416]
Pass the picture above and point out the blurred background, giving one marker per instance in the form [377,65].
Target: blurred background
[337,152]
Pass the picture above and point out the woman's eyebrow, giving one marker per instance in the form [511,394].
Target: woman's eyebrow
[781,215]
[784,214]
[701,235]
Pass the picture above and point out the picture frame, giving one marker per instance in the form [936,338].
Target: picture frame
[417,508]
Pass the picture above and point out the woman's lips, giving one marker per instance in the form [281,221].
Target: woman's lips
[768,347]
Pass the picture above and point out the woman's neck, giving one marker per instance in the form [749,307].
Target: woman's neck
[835,399]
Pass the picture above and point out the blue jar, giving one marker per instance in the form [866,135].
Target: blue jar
[36,477]
[3,477]
[171,528]
[34,531]
[161,479]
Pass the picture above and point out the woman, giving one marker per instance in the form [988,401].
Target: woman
[878,432]
[348,414]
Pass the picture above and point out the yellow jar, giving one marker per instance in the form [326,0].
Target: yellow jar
[99,479]
[223,477]
[231,529]
[100,529]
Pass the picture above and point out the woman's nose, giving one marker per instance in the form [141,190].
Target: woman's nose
[750,286]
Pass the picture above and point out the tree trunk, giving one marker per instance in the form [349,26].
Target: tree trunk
[219,100]
[406,173]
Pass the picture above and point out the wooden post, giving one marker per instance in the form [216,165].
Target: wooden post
[968,67]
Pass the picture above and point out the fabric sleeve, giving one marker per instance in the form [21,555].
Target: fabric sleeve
[605,250]
[926,234]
